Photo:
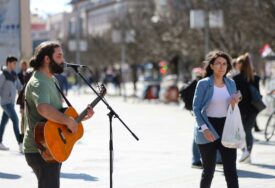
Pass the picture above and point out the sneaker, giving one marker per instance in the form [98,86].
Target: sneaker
[247,160]
[197,165]
[245,156]
[21,148]
[3,147]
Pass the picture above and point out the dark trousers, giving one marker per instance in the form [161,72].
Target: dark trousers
[248,124]
[196,156]
[48,174]
[208,154]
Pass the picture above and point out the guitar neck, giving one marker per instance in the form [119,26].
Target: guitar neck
[81,116]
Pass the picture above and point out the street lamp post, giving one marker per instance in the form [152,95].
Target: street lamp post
[122,62]
[123,37]
[77,36]
[206,28]
[206,19]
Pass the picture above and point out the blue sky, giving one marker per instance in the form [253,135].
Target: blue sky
[44,7]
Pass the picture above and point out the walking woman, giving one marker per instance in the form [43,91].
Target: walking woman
[248,112]
[213,95]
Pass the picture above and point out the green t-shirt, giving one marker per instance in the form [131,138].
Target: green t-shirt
[39,90]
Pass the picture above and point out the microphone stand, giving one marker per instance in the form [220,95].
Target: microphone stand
[111,114]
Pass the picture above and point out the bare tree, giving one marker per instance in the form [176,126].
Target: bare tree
[248,25]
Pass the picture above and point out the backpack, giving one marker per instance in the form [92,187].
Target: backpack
[21,96]
[11,76]
[187,95]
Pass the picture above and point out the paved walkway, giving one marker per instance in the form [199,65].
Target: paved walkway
[160,159]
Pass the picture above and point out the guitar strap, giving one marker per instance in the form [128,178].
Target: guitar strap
[64,97]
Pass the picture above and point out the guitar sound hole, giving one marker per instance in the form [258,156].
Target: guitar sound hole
[62,136]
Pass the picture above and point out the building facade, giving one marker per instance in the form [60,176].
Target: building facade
[15,30]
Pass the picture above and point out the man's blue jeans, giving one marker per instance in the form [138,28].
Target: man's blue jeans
[9,113]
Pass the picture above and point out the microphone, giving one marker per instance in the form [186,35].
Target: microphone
[72,65]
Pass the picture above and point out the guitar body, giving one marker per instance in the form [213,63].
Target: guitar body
[41,144]
[54,141]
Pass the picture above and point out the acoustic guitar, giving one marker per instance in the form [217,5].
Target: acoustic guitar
[55,141]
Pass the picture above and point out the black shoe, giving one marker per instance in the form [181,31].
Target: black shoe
[21,137]
[197,165]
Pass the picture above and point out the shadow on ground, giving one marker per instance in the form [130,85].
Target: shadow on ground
[272,167]
[263,142]
[249,174]
[82,176]
[9,176]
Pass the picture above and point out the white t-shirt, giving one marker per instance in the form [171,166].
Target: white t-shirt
[218,105]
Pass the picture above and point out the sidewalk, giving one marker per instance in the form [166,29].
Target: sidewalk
[160,159]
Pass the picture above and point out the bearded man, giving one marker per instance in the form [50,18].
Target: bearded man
[43,101]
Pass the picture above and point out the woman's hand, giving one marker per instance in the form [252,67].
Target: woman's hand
[208,135]
[235,98]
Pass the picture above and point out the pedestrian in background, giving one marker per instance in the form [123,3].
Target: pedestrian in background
[23,72]
[187,95]
[248,112]
[63,83]
[213,95]
[196,157]
[234,71]
[23,75]
[9,84]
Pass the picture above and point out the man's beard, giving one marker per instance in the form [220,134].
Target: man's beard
[56,68]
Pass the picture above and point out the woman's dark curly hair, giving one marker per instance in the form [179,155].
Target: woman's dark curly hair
[210,59]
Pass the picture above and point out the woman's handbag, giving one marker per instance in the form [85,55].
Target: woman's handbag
[233,135]
[256,98]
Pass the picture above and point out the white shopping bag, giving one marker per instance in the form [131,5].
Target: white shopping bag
[233,135]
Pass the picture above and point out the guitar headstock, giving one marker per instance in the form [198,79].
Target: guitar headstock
[102,90]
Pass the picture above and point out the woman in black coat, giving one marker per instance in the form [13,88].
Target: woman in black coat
[248,112]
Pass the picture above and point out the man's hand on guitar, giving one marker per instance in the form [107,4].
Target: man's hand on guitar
[90,112]
[72,125]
